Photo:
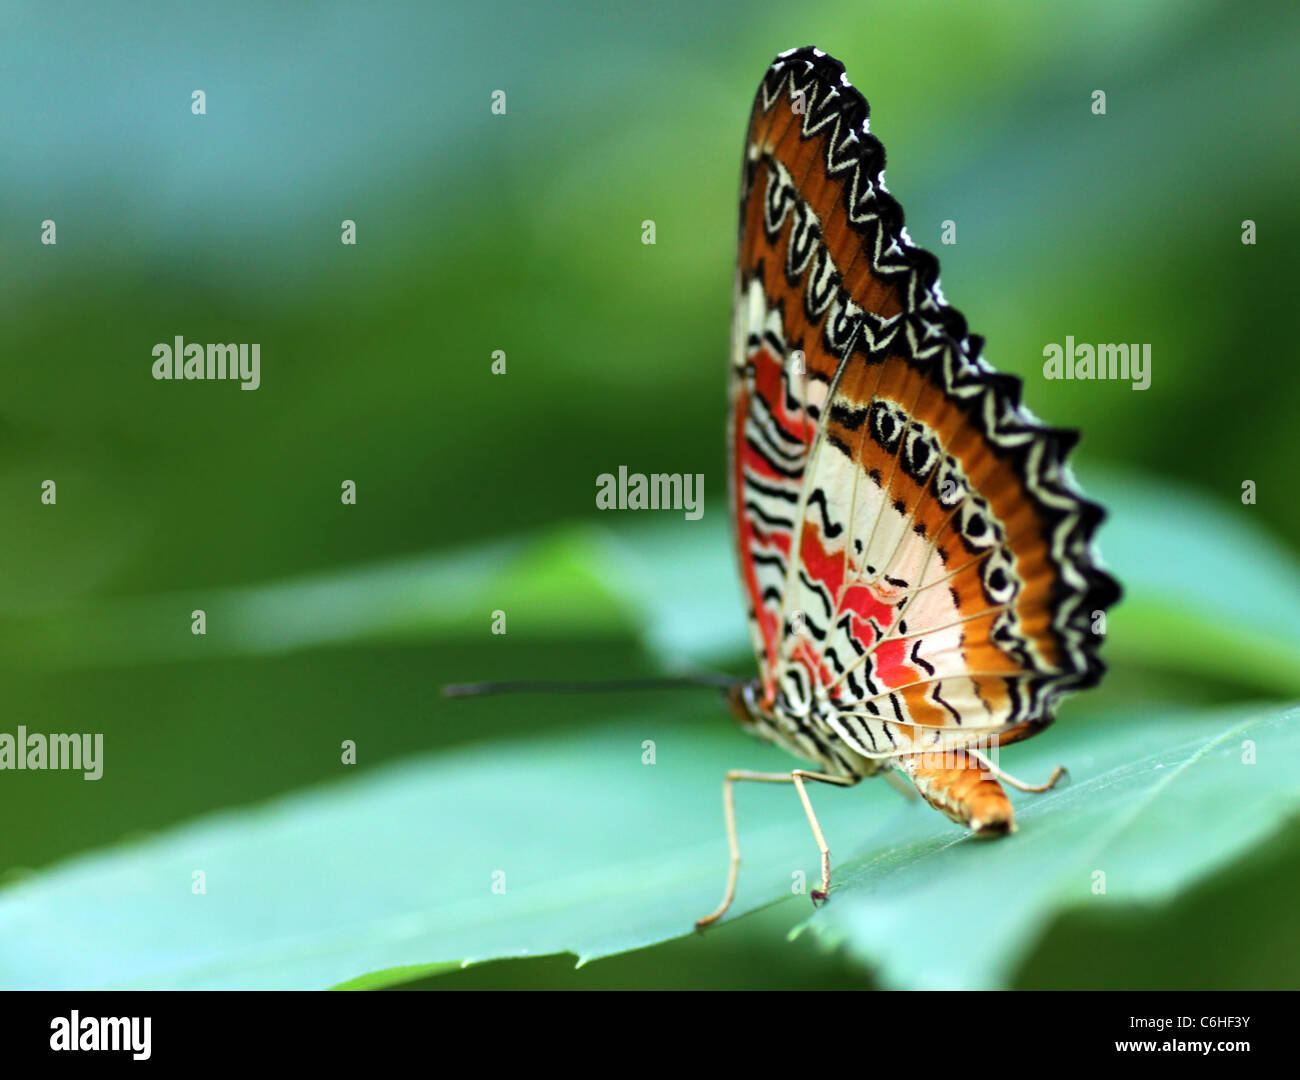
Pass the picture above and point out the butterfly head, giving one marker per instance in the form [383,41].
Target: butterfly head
[743,701]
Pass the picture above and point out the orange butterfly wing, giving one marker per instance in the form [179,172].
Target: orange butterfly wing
[915,555]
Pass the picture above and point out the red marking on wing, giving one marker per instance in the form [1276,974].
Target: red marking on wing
[891,666]
[769,385]
[820,566]
[889,662]
[866,605]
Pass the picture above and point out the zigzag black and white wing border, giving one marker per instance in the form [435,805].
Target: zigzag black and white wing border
[936,332]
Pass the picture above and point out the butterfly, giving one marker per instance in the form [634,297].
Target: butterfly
[916,558]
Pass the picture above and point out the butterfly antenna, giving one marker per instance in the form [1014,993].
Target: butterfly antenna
[528,686]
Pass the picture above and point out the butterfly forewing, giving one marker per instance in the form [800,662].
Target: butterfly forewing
[915,556]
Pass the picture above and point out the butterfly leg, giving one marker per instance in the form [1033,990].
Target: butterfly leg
[1057,773]
[967,794]
[797,777]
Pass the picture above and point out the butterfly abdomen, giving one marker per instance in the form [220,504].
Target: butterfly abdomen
[968,795]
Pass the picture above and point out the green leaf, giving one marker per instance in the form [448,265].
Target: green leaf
[378,980]
[601,853]
[1156,805]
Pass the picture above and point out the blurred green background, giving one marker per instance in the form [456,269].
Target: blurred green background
[523,233]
